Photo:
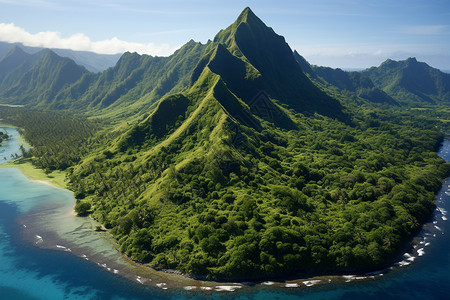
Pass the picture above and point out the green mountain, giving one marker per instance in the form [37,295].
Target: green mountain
[136,82]
[133,85]
[250,39]
[241,168]
[12,65]
[117,90]
[91,61]
[353,82]
[411,82]
[36,79]
[224,160]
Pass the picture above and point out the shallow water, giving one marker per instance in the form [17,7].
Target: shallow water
[45,253]
[11,147]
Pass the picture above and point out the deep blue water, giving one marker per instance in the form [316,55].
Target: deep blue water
[30,272]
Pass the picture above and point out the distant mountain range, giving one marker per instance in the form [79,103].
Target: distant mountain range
[235,159]
[92,61]
[407,82]
[411,82]
[144,79]
[137,81]
[36,79]
[350,81]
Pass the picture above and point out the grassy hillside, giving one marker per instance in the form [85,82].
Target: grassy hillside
[93,62]
[222,200]
[218,183]
[347,83]
[36,79]
[226,161]
[412,82]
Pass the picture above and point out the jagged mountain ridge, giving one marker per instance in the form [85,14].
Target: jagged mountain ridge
[269,53]
[137,81]
[118,89]
[36,79]
[407,82]
[93,62]
[212,129]
[245,91]
[240,168]
[411,82]
[355,82]
[125,85]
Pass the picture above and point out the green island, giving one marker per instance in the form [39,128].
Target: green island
[237,159]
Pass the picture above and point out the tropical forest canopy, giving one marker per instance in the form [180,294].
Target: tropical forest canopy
[237,159]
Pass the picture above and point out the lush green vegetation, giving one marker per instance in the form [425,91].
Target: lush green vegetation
[128,90]
[215,184]
[36,79]
[328,197]
[226,161]
[411,82]
[58,140]
[407,82]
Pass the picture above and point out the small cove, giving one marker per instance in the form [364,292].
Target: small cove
[47,253]
[10,148]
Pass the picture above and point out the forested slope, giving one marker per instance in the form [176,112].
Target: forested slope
[226,182]
[226,161]
[412,82]
[348,83]
[59,140]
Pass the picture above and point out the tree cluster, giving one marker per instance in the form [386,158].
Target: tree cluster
[58,140]
[328,197]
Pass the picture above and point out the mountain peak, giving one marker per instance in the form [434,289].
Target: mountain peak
[15,52]
[258,45]
[411,61]
[248,22]
[247,12]
[247,16]
[14,58]
[16,49]
[47,53]
[411,82]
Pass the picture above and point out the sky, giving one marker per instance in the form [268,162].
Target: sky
[340,34]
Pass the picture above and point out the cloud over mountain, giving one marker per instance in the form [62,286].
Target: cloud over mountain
[79,41]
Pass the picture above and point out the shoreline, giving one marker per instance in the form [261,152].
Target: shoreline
[173,279]
[55,179]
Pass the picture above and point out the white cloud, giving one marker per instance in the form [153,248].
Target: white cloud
[379,52]
[424,30]
[52,39]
